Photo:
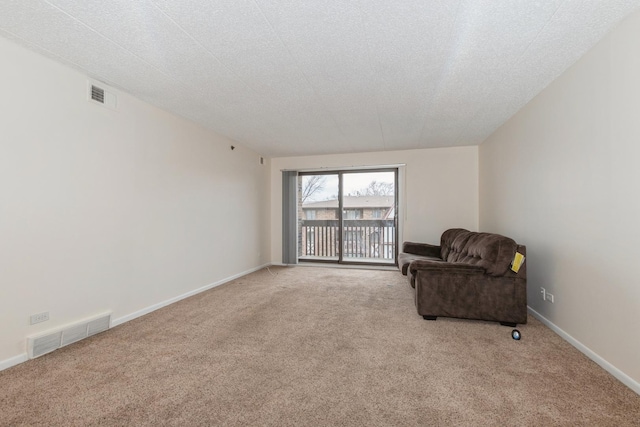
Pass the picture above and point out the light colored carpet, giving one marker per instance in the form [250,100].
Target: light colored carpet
[313,346]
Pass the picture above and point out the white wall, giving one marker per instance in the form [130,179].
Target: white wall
[112,211]
[438,189]
[562,177]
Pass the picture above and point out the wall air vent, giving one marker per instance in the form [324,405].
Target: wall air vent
[100,94]
[45,344]
[101,324]
[97,94]
[52,340]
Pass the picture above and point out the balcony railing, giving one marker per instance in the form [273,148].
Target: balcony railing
[373,238]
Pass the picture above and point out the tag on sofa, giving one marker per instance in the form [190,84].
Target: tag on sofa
[517,262]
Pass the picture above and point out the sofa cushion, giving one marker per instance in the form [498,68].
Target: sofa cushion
[447,239]
[492,252]
[457,247]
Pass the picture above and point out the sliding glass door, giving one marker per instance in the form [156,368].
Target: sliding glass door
[348,216]
[318,217]
[368,217]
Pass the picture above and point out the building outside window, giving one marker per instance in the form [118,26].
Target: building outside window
[353,214]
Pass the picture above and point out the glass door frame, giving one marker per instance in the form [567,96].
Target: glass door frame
[341,226]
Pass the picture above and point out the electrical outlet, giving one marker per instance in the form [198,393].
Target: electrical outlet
[549,297]
[543,292]
[40,317]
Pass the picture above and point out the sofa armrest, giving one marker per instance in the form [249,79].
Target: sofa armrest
[423,249]
[435,267]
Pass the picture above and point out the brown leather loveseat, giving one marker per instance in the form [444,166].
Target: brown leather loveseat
[468,276]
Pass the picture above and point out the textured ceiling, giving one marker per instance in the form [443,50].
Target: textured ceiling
[288,77]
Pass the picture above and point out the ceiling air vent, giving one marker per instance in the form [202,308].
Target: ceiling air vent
[101,94]
[97,94]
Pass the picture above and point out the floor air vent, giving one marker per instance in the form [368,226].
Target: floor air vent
[52,340]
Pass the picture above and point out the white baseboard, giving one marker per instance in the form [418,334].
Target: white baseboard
[13,361]
[617,373]
[16,360]
[165,303]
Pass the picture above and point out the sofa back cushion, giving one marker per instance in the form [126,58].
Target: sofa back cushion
[492,252]
[447,239]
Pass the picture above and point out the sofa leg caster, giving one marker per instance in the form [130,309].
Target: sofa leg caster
[509,324]
[429,317]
